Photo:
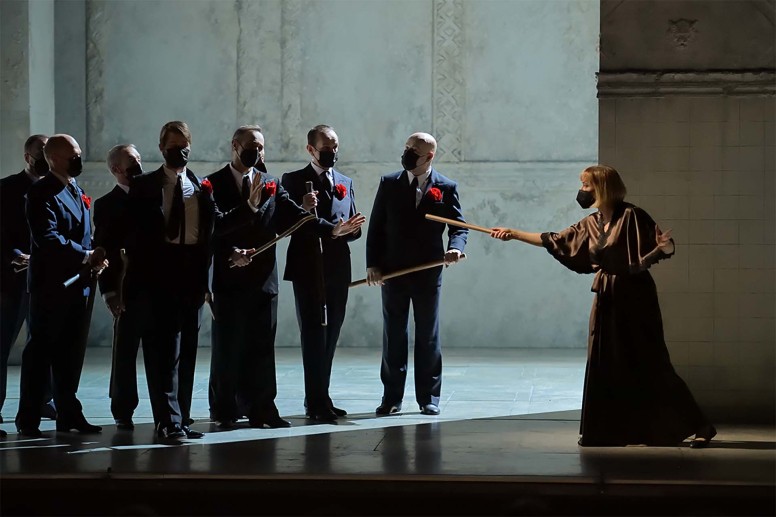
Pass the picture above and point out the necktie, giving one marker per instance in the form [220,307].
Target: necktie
[414,189]
[326,182]
[175,221]
[246,186]
[73,192]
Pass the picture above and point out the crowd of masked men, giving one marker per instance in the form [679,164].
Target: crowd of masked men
[164,244]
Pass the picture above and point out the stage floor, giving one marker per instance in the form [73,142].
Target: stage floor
[504,443]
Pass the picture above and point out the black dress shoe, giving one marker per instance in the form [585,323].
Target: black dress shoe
[429,409]
[703,437]
[170,432]
[191,433]
[339,412]
[388,409]
[125,424]
[187,422]
[226,424]
[30,432]
[324,415]
[47,410]
[80,425]
[3,434]
[273,422]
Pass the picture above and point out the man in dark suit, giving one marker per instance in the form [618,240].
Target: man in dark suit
[320,268]
[399,237]
[58,213]
[15,252]
[173,217]
[111,222]
[242,369]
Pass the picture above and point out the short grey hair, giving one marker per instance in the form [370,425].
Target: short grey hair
[114,155]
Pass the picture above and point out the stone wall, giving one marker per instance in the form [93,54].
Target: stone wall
[507,87]
[687,116]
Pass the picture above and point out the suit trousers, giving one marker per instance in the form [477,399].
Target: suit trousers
[56,347]
[242,368]
[172,355]
[397,294]
[127,333]
[319,342]
[13,313]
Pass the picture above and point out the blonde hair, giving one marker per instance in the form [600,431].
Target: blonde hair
[607,184]
[176,126]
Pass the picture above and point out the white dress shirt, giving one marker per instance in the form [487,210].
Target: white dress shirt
[190,203]
[321,170]
[238,176]
[422,185]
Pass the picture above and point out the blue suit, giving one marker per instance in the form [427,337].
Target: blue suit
[60,231]
[400,237]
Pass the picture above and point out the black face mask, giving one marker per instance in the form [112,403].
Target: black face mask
[409,160]
[177,157]
[134,170]
[585,198]
[75,167]
[40,167]
[249,157]
[261,166]
[327,159]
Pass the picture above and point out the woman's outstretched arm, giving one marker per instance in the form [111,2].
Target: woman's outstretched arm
[508,234]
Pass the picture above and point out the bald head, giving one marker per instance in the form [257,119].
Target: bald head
[423,143]
[60,150]
[418,153]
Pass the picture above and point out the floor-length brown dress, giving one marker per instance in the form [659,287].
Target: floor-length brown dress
[632,394]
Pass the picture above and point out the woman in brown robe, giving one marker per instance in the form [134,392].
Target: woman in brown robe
[632,394]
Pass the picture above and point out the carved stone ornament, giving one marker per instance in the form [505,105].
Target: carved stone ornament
[682,31]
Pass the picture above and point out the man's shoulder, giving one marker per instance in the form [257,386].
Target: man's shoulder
[440,178]
[220,175]
[15,180]
[297,173]
[48,185]
[392,176]
[113,196]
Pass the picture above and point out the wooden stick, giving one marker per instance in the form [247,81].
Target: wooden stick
[457,223]
[283,235]
[414,269]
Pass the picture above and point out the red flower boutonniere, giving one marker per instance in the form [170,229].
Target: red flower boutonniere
[340,191]
[270,188]
[87,201]
[434,194]
[207,186]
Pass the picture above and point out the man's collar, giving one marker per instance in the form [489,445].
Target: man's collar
[320,170]
[64,179]
[125,188]
[421,179]
[171,173]
[238,173]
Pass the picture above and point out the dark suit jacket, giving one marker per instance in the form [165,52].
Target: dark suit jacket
[61,234]
[275,214]
[303,248]
[399,234]
[14,231]
[146,240]
[111,222]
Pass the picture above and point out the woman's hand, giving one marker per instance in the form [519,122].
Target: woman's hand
[504,234]
[664,240]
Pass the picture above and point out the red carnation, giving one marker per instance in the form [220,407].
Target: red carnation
[435,194]
[340,191]
[207,186]
[87,201]
[270,188]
